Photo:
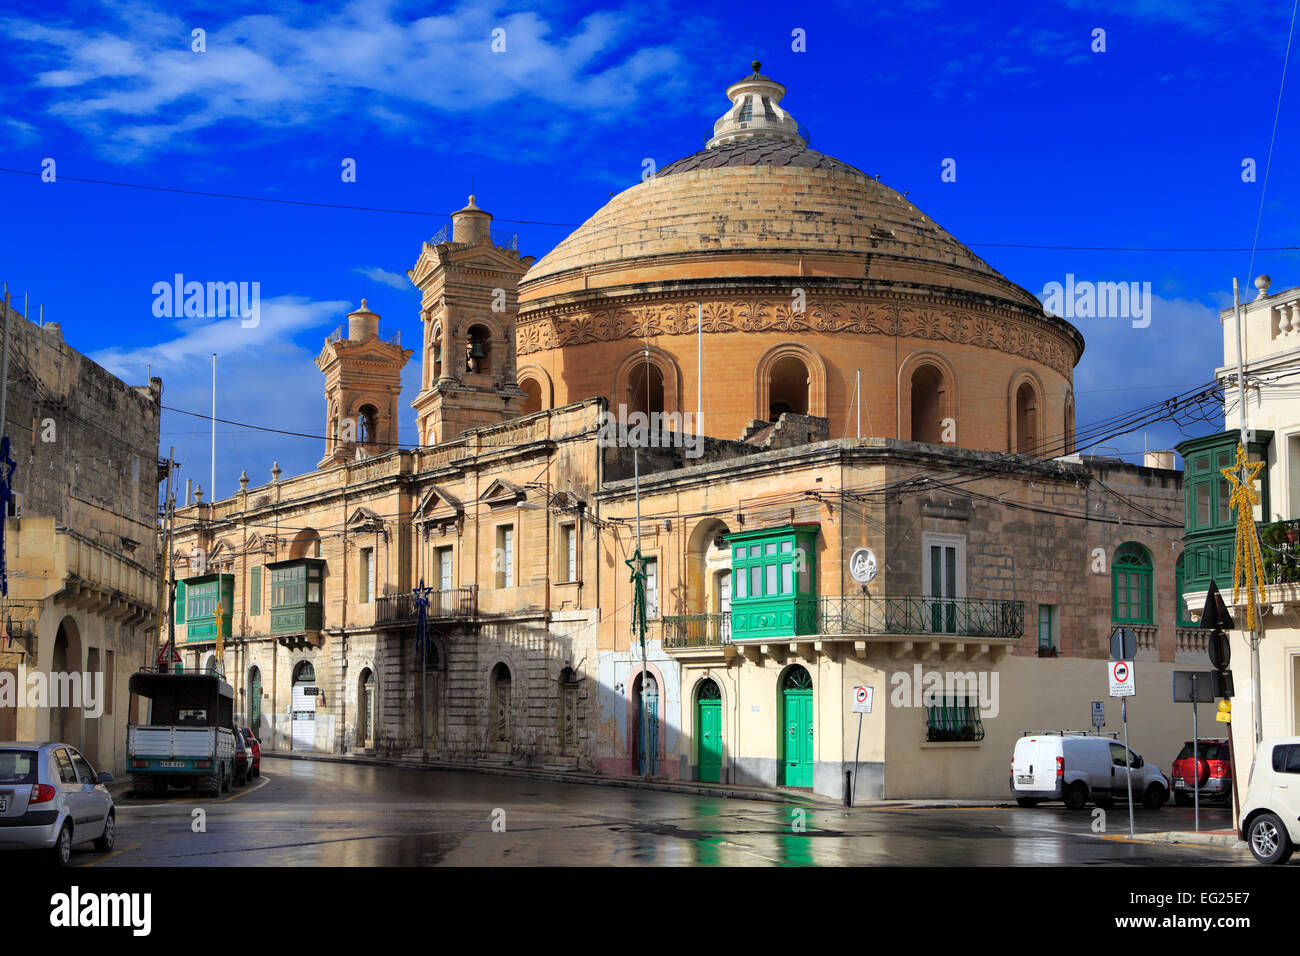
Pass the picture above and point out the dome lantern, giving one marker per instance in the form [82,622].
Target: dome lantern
[756,113]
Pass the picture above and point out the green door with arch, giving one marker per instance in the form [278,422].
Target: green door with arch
[708,729]
[255,702]
[797,728]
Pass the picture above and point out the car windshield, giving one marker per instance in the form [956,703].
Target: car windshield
[1207,750]
[17,766]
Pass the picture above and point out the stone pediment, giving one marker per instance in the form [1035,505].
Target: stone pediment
[437,502]
[502,492]
[364,519]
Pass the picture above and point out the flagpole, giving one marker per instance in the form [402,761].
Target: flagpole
[212,484]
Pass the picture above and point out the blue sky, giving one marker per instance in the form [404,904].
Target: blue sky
[1056,145]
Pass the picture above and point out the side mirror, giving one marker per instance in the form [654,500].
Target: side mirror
[105,778]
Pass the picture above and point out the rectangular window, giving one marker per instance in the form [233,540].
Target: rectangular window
[651,588]
[444,569]
[787,578]
[178,603]
[288,586]
[755,580]
[255,591]
[366,580]
[1046,625]
[569,553]
[504,557]
[771,570]
[954,718]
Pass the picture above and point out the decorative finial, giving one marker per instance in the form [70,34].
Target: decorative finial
[363,304]
[243,480]
[275,471]
[756,65]
[1262,283]
[198,494]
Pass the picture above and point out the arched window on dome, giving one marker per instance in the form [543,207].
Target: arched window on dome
[1026,434]
[645,389]
[788,388]
[928,392]
[532,396]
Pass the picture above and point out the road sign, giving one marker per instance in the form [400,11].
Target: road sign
[1098,713]
[1215,617]
[1219,649]
[862,565]
[1121,678]
[162,656]
[1199,692]
[1123,644]
[1224,716]
[862,698]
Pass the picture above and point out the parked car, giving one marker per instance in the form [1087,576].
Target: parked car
[51,800]
[243,760]
[1212,774]
[1078,767]
[255,748]
[1270,813]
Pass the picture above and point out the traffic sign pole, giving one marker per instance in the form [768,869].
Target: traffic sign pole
[1128,768]
[1196,761]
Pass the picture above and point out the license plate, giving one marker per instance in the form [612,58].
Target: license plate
[4,804]
[1180,785]
[1022,778]
[171,763]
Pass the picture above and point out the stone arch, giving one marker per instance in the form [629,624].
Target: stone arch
[66,656]
[567,711]
[367,706]
[1025,432]
[544,395]
[305,544]
[698,579]
[501,695]
[625,373]
[941,403]
[776,357]
[693,732]
[633,685]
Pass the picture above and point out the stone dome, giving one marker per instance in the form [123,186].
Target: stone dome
[803,270]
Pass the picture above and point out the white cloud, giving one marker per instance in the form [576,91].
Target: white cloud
[139,81]
[396,280]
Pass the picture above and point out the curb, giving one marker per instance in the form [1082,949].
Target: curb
[704,790]
[1184,838]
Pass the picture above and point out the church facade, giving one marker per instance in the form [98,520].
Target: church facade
[954,562]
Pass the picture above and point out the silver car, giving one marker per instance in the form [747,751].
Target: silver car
[51,799]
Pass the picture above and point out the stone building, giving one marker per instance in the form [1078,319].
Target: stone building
[986,551]
[80,542]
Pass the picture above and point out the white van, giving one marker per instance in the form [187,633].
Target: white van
[1270,814]
[1078,767]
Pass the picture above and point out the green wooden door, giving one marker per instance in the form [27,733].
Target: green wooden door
[797,728]
[708,724]
[255,703]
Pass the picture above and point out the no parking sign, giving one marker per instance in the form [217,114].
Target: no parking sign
[1121,678]
[862,697]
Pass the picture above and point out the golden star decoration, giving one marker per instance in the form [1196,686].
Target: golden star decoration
[1248,567]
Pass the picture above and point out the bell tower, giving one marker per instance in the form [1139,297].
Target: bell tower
[468,282]
[363,379]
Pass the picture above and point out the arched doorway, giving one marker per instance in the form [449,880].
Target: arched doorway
[927,404]
[500,733]
[645,389]
[1026,420]
[788,391]
[708,730]
[255,701]
[532,396]
[305,694]
[366,709]
[796,728]
[647,717]
[568,712]
[65,718]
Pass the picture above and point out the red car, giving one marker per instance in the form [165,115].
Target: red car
[254,748]
[1212,774]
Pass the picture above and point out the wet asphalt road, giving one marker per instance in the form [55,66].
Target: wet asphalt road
[303,813]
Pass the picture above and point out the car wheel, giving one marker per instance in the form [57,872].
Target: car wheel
[1027,801]
[1155,797]
[1076,795]
[1268,840]
[1183,799]
[105,842]
[62,850]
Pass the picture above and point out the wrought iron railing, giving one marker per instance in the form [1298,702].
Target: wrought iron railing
[911,614]
[401,608]
[1279,545]
[696,630]
[505,240]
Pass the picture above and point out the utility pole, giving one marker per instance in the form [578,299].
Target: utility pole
[163,558]
[1256,628]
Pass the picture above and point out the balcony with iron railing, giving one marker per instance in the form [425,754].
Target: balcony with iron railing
[400,609]
[696,630]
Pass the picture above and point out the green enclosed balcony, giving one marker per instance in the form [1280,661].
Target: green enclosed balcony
[774,573]
[198,599]
[297,589]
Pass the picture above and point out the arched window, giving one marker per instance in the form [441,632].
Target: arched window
[532,396]
[478,353]
[645,389]
[1026,434]
[927,404]
[435,352]
[366,415]
[499,732]
[1132,580]
[788,388]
